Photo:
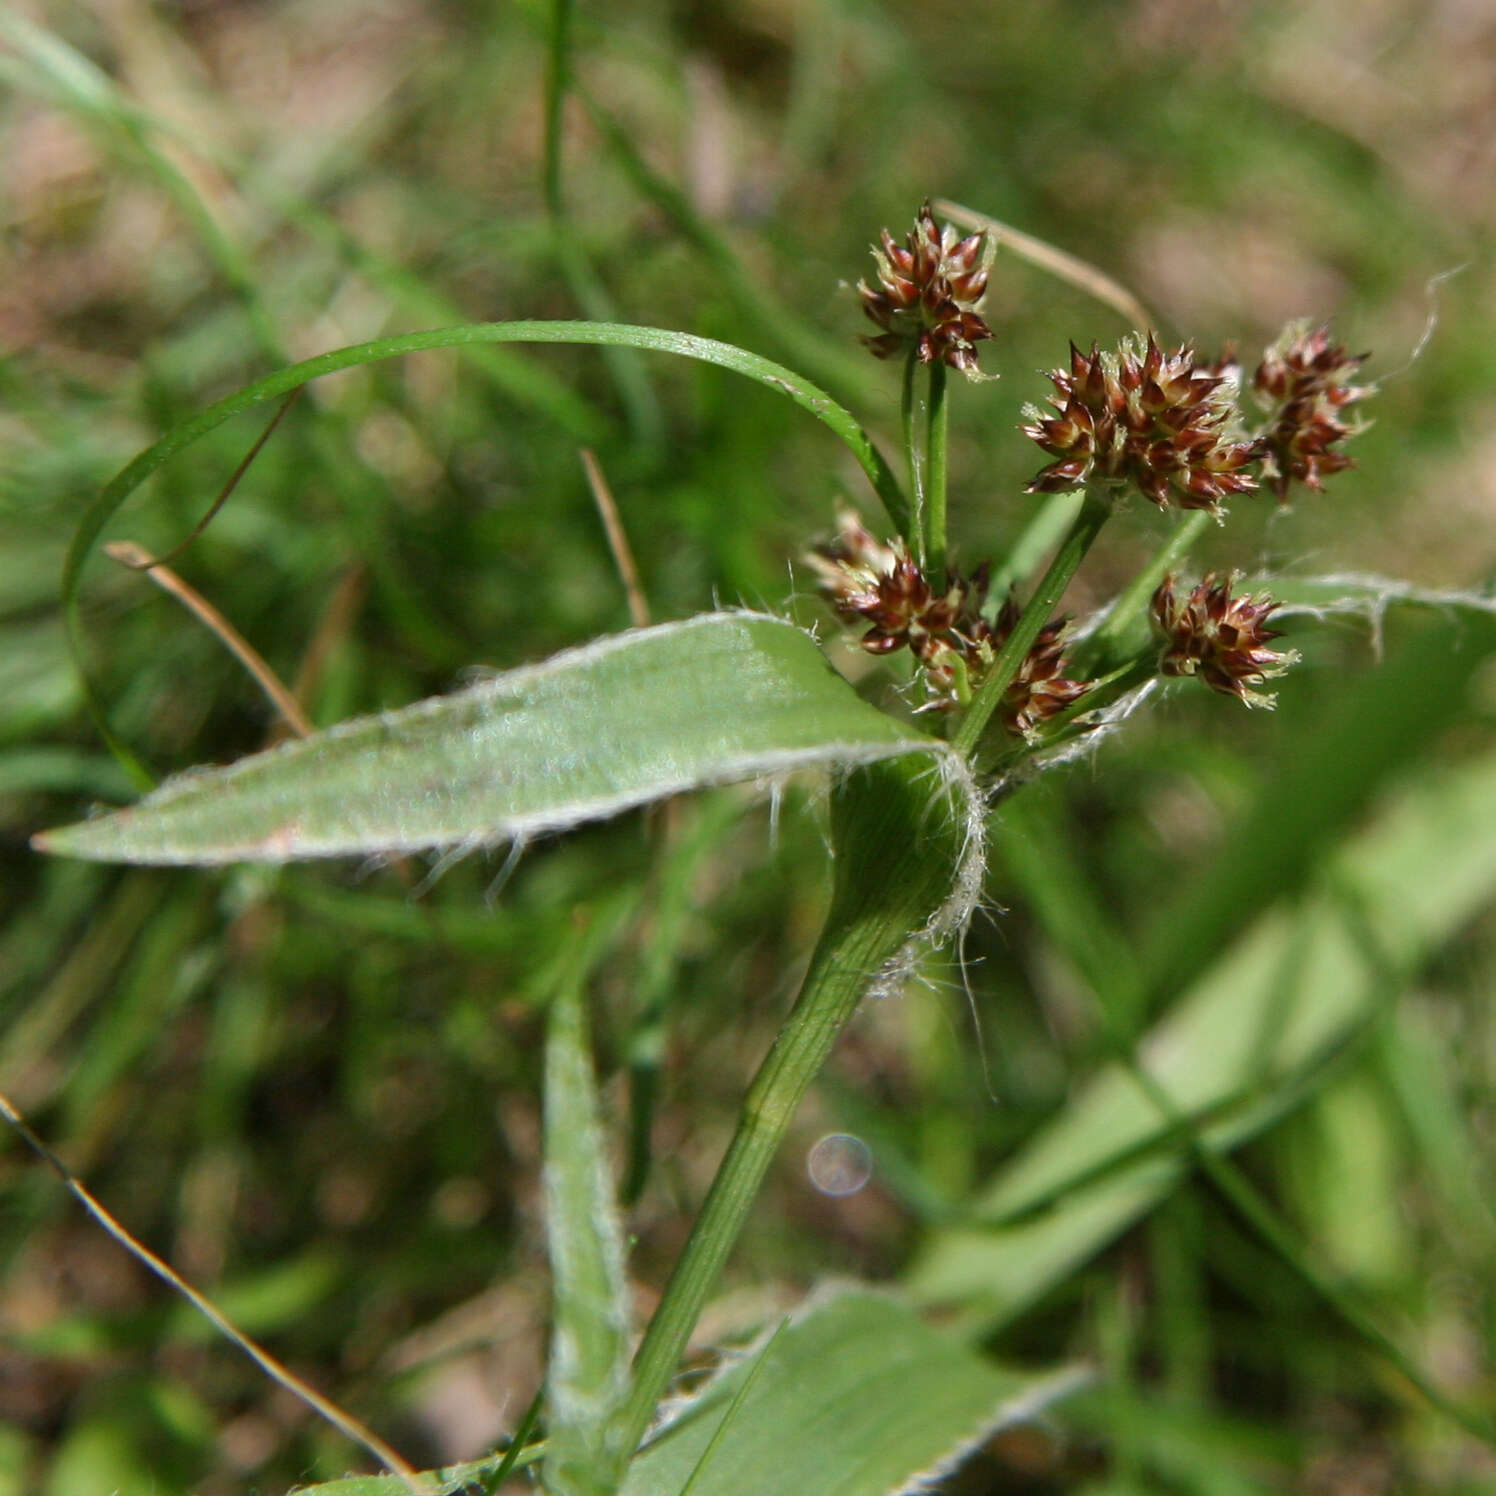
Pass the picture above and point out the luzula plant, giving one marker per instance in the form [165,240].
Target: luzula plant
[1003,683]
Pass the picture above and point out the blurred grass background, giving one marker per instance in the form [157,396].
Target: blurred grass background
[317,1096]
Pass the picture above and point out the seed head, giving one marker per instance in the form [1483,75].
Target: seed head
[881,582]
[1220,638]
[929,289]
[1304,379]
[1161,422]
[947,632]
[1041,689]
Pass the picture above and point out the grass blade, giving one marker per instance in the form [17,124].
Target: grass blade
[1416,876]
[470,335]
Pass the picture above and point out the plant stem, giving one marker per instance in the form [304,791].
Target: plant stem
[1049,524]
[896,860]
[915,539]
[1109,643]
[1093,514]
[937,428]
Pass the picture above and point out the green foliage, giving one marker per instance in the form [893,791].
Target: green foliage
[320,1097]
[1265,1024]
[588,1369]
[828,1397]
[587,734]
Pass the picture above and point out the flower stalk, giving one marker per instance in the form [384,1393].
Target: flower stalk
[915,536]
[1162,424]
[881,818]
[972,737]
[937,429]
[1125,624]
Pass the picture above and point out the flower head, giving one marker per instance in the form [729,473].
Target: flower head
[1040,690]
[928,292]
[1161,422]
[1220,638]
[1304,379]
[881,582]
[948,632]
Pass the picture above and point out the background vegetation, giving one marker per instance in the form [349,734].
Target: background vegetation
[319,1097]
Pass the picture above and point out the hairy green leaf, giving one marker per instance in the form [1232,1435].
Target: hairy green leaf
[593,731]
[588,1374]
[859,1397]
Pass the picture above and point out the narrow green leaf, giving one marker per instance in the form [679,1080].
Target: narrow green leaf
[588,1374]
[857,1398]
[477,335]
[617,723]
[1242,1047]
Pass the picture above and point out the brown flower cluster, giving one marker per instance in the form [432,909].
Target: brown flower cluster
[946,631]
[1041,689]
[1161,422]
[927,296]
[1222,639]
[1305,379]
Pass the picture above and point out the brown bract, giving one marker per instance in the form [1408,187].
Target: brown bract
[866,578]
[1162,423]
[928,292]
[1219,638]
[1305,378]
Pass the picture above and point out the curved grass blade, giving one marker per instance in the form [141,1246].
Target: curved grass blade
[470,335]
[593,731]
[758,307]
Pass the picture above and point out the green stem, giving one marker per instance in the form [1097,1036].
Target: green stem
[915,534]
[1110,642]
[895,865]
[937,429]
[1093,514]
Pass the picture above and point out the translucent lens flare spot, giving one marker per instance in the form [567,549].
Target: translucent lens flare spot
[839,1164]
